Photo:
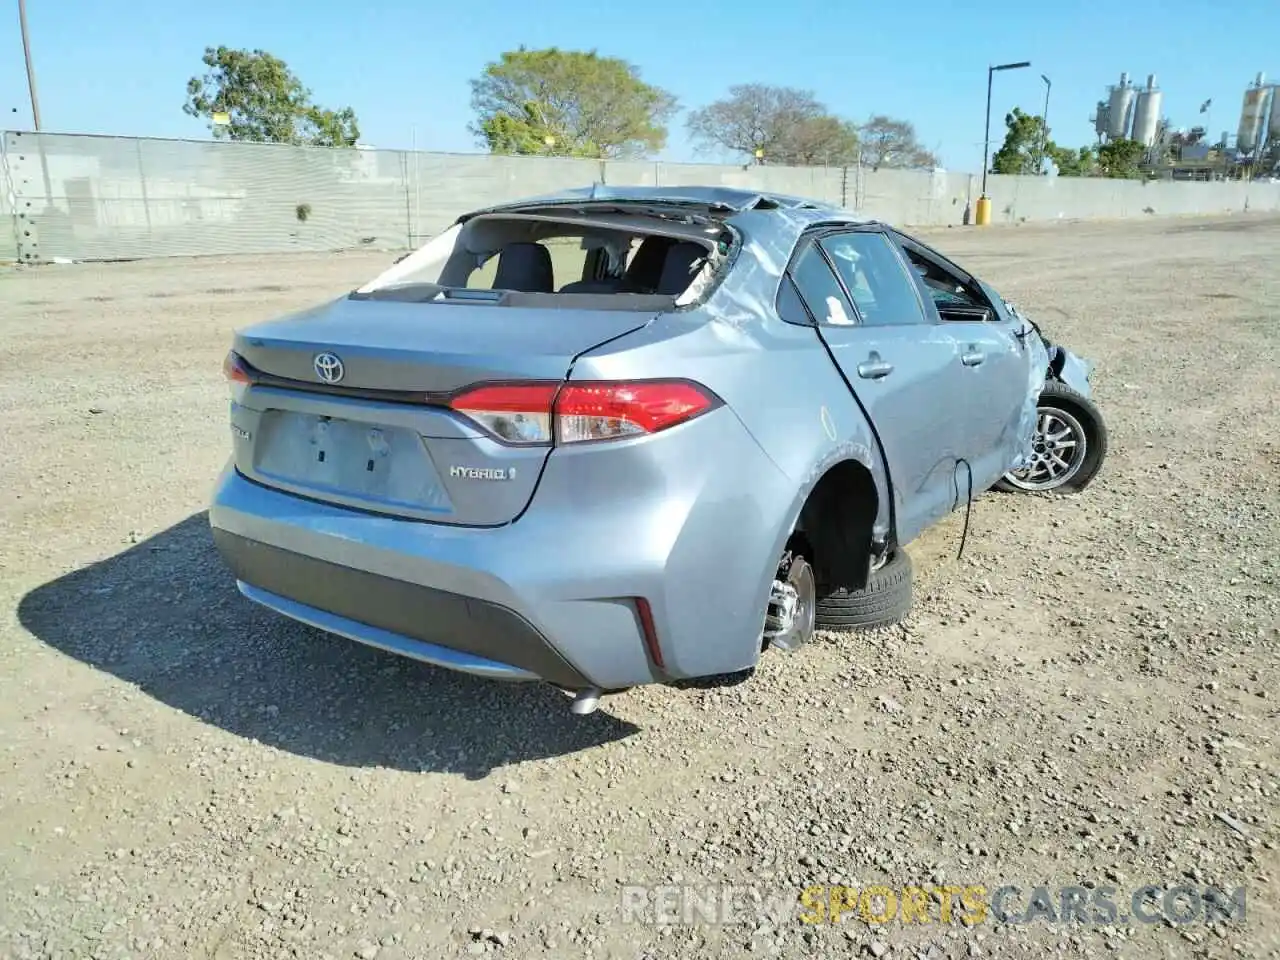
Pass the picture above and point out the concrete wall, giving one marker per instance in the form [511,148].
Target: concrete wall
[87,197]
[8,215]
[1060,198]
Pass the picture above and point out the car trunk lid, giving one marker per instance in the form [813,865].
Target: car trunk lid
[348,403]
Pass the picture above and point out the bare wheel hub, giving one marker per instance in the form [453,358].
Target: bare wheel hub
[788,623]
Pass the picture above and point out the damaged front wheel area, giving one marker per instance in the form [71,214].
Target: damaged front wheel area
[1068,447]
[793,597]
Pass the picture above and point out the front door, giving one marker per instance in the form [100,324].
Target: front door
[902,363]
[998,390]
[999,377]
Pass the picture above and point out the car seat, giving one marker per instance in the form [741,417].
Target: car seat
[524,267]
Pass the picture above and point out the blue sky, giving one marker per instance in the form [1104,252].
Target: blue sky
[122,67]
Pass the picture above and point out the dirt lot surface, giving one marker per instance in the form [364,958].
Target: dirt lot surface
[1088,698]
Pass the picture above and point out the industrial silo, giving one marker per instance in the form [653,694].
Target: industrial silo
[1099,119]
[1120,109]
[1146,113]
[1274,127]
[1253,115]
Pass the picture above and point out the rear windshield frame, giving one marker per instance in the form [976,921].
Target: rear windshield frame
[720,238]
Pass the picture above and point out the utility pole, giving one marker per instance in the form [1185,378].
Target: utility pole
[31,70]
[35,105]
[1044,126]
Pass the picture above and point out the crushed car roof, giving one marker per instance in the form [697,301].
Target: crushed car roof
[725,199]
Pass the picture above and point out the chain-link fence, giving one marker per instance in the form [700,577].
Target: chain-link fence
[79,197]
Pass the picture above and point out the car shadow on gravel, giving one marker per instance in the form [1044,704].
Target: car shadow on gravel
[165,616]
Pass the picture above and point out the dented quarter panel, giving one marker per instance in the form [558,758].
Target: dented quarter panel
[780,384]
[736,345]
[790,371]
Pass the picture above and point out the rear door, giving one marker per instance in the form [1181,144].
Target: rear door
[902,363]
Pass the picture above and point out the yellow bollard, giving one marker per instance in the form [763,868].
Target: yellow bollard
[982,212]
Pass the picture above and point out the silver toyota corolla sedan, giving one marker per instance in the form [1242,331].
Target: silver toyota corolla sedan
[627,435]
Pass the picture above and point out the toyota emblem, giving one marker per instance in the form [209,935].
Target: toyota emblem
[329,367]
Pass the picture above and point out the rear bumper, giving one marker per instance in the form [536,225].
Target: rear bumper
[394,615]
[433,593]
[552,595]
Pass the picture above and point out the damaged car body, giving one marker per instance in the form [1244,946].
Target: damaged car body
[625,435]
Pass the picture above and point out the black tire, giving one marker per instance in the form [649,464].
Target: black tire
[884,601]
[1057,397]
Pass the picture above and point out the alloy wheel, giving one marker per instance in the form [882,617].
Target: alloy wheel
[1058,451]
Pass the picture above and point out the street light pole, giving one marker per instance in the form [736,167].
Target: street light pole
[31,70]
[986,138]
[983,216]
[1044,125]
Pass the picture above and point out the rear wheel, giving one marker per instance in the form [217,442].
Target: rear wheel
[789,617]
[1068,447]
[885,600]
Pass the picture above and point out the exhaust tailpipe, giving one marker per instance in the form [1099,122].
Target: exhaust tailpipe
[585,701]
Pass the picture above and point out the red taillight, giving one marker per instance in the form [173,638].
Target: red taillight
[600,411]
[590,410]
[234,369]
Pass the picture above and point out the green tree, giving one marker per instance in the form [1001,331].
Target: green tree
[888,142]
[1120,158]
[1072,163]
[568,103]
[1021,151]
[781,125]
[265,102]
[505,133]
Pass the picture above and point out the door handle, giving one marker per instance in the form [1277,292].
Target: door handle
[972,358]
[874,369]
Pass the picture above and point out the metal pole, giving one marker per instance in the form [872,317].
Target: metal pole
[1044,124]
[31,70]
[986,139]
[408,209]
[984,202]
[417,193]
[35,103]
[142,181]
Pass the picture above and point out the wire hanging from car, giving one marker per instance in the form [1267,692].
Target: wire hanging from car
[968,505]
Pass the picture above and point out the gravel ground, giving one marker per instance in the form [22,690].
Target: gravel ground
[1087,698]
